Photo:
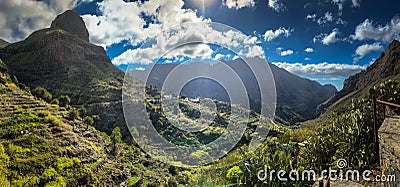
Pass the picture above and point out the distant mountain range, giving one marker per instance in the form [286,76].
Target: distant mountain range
[297,98]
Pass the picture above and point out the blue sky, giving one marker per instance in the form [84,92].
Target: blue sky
[324,40]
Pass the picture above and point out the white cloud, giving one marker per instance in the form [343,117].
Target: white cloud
[19,18]
[238,4]
[181,44]
[340,21]
[287,52]
[140,69]
[356,3]
[366,49]
[327,39]
[331,38]
[307,59]
[279,48]
[368,30]
[321,69]
[120,21]
[309,50]
[218,56]
[325,19]
[339,3]
[311,17]
[270,34]
[276,5]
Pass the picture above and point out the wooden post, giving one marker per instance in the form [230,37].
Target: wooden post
[375,121]
[383,111]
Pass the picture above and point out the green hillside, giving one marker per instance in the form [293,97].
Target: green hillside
[65,63]
[385,68]
[43,144]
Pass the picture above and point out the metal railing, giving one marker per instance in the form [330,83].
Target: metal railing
[383,104]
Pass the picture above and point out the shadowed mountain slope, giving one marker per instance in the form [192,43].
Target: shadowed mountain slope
[387,66]
[297,98]
[62,60]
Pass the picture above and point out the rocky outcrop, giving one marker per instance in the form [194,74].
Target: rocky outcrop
[62,60]
[71,22]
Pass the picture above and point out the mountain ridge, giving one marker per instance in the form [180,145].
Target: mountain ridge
[386,66]
[296,97]
[71,22]
[67,64]
[3,43]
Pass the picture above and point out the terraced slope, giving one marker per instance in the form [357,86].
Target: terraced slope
[41,146]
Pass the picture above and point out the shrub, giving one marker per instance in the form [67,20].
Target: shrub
[88,121]
[64,162]
[82,111]
[116,140]
[234,173]
[55,101]
[73,114]
[64,100]
[42,93]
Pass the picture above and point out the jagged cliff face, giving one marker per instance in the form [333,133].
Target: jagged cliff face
[386,66]
[71,22]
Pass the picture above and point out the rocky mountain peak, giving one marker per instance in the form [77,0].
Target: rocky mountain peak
[395,44]
[386,66]
[71,22]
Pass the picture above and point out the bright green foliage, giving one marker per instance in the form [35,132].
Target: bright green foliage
[133,180]
[73,114]
[348,135]
[49,173]
[42,93]
[4,163]
[63,162]
[59,182]
[116,141]
[39,147]
[55,101]
[88,120]
[234,173]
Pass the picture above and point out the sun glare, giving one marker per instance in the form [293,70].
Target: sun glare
[203,4]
